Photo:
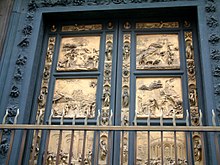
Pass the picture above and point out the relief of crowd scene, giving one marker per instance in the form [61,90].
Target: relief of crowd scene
[157,52]
[159,94]
[79,53]
[75,97]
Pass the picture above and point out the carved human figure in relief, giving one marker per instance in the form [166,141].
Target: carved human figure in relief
[103,149]
[126,51]
[189,52]
[108,51]
[106,97]
[197,149]
[125,98]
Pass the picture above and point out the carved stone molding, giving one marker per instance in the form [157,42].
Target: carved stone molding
[48,3]
[212,22]
[14,92]
[214,39]
[210,7]
[215,54]
[216,71]
[217,89]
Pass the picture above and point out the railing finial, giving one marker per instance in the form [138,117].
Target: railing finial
[62,117]
[74,119]
[187,117]
[161,118]
[174,118]
[200,117]
[98,118]
[135,119]
[4,118]
[50,117]
[86,120]
[110,118]
[148,118]
[122,120]
[39,116]
[213,117]
[16,117]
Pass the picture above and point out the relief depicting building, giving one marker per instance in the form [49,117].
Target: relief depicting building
[110,82]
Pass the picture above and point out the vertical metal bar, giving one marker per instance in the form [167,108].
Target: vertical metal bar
[22,147]
[161,124]
[10,146]
[162,147]
[46,148]
[217,148]
[1,132]
[110,137]
[34,146]
[71,146]
[203,147]
[175,148]
[189,148]
[148,147]
[83,147]
[148,138]
[122,146]
[60,139]
[47,139]
[72,141]
[109,147]
[135,147]
[84,142]
[12,137]
[35,138]
[59,146]
[96,153]
[97,135]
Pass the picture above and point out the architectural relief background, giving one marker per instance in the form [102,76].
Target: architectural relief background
[155,148]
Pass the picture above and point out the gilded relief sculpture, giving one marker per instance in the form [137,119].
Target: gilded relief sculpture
[75,97]
[103,146]
[79,53]
[155,148]
[65,148]
[156,94]
[193,97]
[125,93]
[159,51]
[156,25]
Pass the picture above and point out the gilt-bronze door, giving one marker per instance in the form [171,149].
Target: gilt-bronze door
[116,71]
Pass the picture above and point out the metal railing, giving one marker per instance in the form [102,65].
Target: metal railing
[194,149]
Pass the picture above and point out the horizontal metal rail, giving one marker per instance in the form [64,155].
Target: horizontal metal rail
[111,128]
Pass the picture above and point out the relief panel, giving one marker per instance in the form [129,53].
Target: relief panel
[159,51]
[154,95]
[79,53]
[75,97]
[77,151]
[154,148]
[152,25]
[81,27]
